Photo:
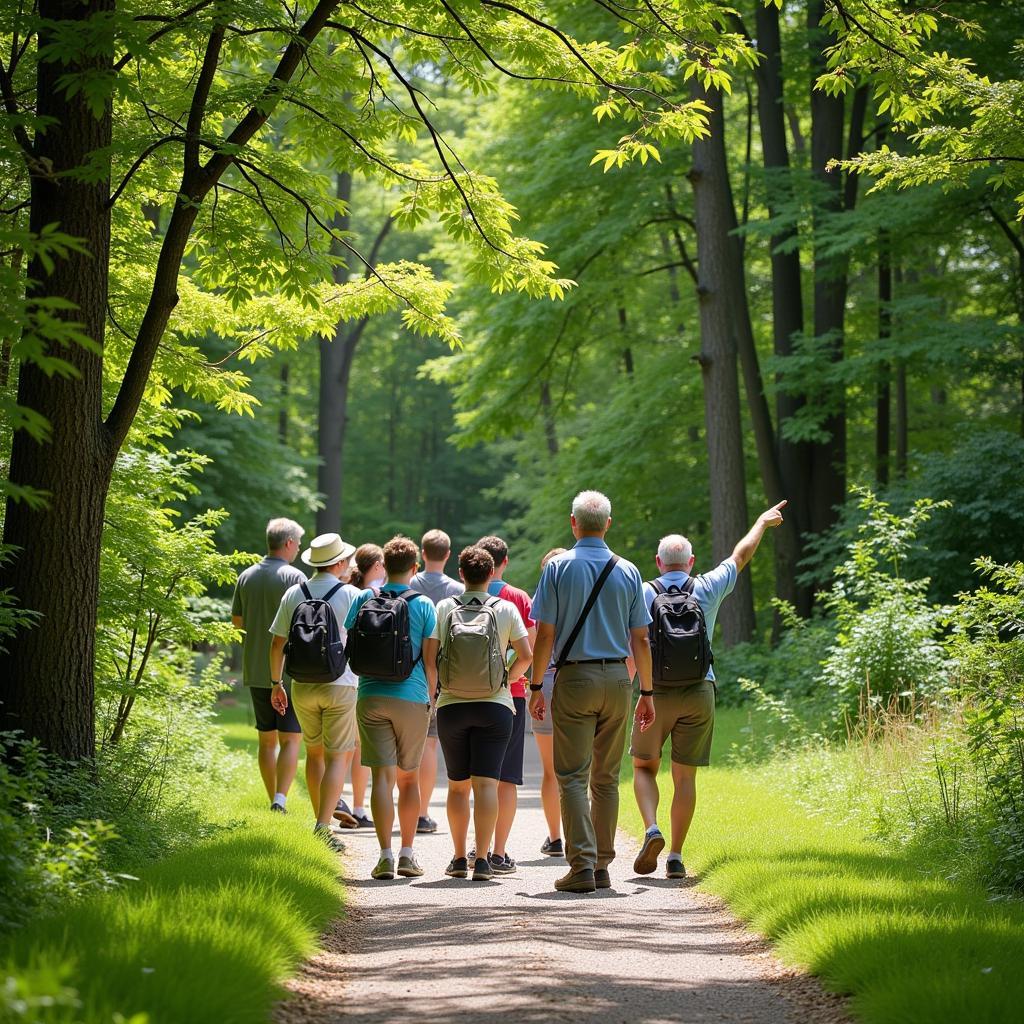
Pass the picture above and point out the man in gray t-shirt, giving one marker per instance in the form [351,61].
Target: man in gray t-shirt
[256,600]
[436,547]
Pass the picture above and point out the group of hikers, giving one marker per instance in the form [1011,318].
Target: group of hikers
[373,660]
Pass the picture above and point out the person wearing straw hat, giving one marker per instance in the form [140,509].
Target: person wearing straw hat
[326,711]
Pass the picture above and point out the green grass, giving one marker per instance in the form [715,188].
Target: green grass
[871,920]
[206,934]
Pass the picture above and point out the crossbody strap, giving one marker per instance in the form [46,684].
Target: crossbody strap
[591,600]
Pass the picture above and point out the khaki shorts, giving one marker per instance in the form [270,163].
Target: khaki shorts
[326,714]
[392,731]
[688,714]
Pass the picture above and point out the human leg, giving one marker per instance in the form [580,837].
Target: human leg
[427,775]
[458,814]
[287,761]
[645,788]
[382,802]
[485,811]
[574,719]
[267,757]
[549,785]
[360,779]
[692,734]
[314,776]
[332,782]
[510,777]
[684,803]
[609,743]
[408,805]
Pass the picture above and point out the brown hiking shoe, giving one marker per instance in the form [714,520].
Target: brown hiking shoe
[577,881]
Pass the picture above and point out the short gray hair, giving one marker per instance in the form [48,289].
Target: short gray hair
[280,531]
[675,549]
[592,510]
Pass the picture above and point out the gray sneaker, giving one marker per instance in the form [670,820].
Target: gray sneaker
[409,867]
[385,869]
[503,865]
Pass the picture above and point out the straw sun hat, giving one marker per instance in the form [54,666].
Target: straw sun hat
[327,549]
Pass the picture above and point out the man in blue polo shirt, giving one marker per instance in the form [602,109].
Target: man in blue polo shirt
[591,615]
[686,713]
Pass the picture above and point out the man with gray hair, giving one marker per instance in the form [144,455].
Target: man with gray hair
[591,615]
[258,594]
[683,623]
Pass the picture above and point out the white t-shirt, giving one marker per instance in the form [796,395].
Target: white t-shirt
[319,586]
[510,629]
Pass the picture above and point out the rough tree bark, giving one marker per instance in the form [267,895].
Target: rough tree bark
[336,359]
[883,440]
[787,298]
[47,672]
[828,459]
[715,264]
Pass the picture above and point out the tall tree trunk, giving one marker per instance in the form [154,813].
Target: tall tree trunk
[902,420]
[882,393]
[335,375]
[57,572]
[828,458]
[787,290]
[335,366]
[550,432]
[282,415]
[715,263]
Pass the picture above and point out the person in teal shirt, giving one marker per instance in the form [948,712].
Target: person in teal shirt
[393,719]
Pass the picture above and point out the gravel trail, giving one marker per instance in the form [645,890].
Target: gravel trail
[646,951]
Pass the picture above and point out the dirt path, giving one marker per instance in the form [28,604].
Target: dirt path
[648,950]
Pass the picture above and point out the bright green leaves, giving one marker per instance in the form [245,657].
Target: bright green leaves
[627,149]
[956,118]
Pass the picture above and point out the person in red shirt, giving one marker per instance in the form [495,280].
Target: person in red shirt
[511,776]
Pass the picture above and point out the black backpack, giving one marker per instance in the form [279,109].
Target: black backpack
[379,645]
[314,652]
[680,645]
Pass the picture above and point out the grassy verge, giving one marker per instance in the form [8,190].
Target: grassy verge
[206,934]
[877,921]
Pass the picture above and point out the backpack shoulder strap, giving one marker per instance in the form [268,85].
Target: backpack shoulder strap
[305,591]
[657,586]
[687,587]
[330,593]
[591,600]
[492,602]
[407,595]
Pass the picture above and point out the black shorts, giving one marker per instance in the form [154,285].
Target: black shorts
[267,719]
[474,735]
[512,766]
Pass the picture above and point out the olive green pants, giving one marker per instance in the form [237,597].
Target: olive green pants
[589,714]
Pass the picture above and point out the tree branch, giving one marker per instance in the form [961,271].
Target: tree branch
[197,109]
[172,23]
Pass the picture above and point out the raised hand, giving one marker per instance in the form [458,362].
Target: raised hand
[773,517]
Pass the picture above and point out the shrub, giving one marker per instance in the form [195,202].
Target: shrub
[886,650]
[987,645]
[46,854]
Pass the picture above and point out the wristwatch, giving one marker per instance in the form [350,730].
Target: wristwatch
[536,687]
[646,693]
[276,682]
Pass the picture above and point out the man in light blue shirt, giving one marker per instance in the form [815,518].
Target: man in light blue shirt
[686,711]
[591,698]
